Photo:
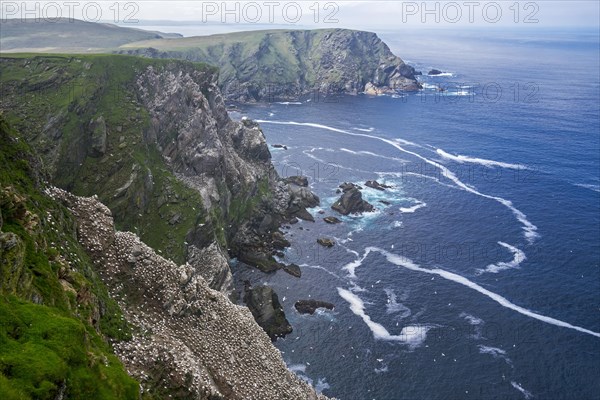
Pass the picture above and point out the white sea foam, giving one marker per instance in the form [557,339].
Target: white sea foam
[520,388]
[482,161]
[495,352]
[393,307]
[595,188]
[413,335]
[320,268]
[371,129]
[412,209]
[518,257]
[397,224]
[287,103]
[408,264]
[369,153]
[443,74]
[530,230]
[471,319]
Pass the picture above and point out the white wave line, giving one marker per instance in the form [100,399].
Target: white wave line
[529,228]
[482,161]
[518,257]
[406,263]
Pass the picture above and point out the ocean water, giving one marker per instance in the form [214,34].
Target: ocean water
[481,277]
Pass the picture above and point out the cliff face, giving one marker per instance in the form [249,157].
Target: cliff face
[189,341]
[266,65]
[153,140]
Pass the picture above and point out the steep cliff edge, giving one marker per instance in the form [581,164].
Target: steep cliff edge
[60,328]
[267,65]
[189,341]
[153,140]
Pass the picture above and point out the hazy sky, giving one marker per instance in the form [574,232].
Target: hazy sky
[349,14]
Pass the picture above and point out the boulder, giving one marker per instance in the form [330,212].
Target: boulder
[377,185]
[325,242]
[310,306]
[352,202]
[264,305]
[347,186]
[434,72]
[292,269]
[332,220]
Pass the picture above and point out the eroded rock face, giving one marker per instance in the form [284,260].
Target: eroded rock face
[190,339]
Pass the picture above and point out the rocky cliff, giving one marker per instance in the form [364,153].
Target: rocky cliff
[279,64]
[153,141]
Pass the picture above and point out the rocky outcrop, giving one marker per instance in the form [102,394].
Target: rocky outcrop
[376,185]
[267,311]
[434,72]
[269,65]
[191,341]
[98,137]
[310,306]
[351,202]
[332,220]
[326,242]
[211,263]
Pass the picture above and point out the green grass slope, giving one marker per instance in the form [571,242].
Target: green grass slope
[55,313]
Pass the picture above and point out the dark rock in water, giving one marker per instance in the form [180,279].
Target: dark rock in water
[332,220]
[310,306]
[325,242]
[266,310]
[387,203]
[434,72]
[346,186]
[294,220]
[292,269]
[279,241]
[377,185]
[297,180]
[321,211]
[304,215]
[352,202]
[259,259]
[280,146]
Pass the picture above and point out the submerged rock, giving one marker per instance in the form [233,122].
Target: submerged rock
[310,306]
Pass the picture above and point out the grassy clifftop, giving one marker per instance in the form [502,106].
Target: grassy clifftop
[55,313]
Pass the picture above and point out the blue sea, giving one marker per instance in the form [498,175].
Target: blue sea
[479,277]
